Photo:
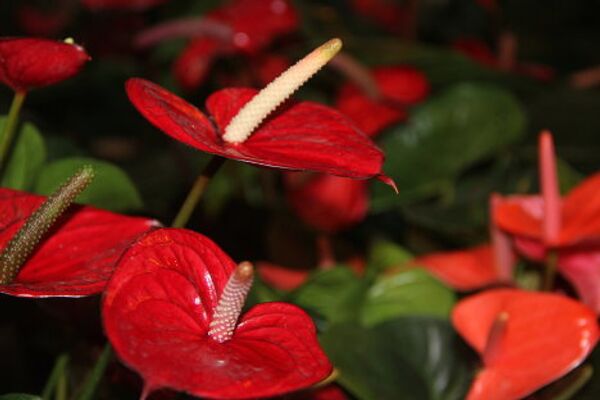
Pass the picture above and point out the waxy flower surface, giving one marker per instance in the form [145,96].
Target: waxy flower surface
[250,126]
[526,339]
[171,312]
[569,227]
[396,87]
[29,63]
[77,256]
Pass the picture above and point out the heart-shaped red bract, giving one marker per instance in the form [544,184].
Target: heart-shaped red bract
[303,136]
[399,87]
[157,310]
[544,337]
[79,253]
[465,270]
[325,202]
[28,63]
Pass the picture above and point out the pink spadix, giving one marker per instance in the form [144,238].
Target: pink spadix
[231,302]
[549,188]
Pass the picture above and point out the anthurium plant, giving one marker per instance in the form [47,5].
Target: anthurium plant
[246,199]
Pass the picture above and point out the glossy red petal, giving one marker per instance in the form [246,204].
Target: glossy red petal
[581,213]
[173,115]
[462,270]
[256,23]
[371,116]
[193,64]
[520,215]
[78,257]
[281,277]
[121,4]
[28,63]
[157,309]
[544,337]
[398,87]
[303,136]
[326,202]
[582,269]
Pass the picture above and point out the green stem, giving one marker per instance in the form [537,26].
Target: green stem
[91,382]
[61,386]
[195,194]
[550,272]
[575,381]
[10,126]
[58,371]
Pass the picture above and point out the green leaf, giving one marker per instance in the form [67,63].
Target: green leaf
[408,358]
[26,160]
[111,189]
[413,292]
[385,254]
[19,396]
[334,294]
[463,125]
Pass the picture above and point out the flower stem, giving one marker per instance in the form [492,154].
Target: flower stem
[195,194]
[57,376]
[550,271]
[325,251]
[10,126]
[91,382]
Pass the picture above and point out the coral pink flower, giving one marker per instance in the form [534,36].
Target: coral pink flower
[526,339]
[171,312]
[398,87]
[568,226]
[28,63]
[325,202]
[79,253]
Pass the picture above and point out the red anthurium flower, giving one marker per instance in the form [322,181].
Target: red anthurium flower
[325,202]
[228,30]
[37,22]
[387,13]
[121,4]
[281,277]
[476,267]
[28,63]
[526,339]
[569,226]
[171,312]
[302,136]
[398,88]
[79,254]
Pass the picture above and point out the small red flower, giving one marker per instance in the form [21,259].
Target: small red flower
[526,339]
[28,63]
[569,226]
[398,88]
[387,13]
[121,4]
[171,312]
[325,202]
[282,278]
[481,53]
[303,136]
[244,27]
[80,251]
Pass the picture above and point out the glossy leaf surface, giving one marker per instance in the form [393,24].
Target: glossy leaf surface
[410,358]
[111,189]
[539,326]
[26,160]
[79,254]
[157,310]
[407,293]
